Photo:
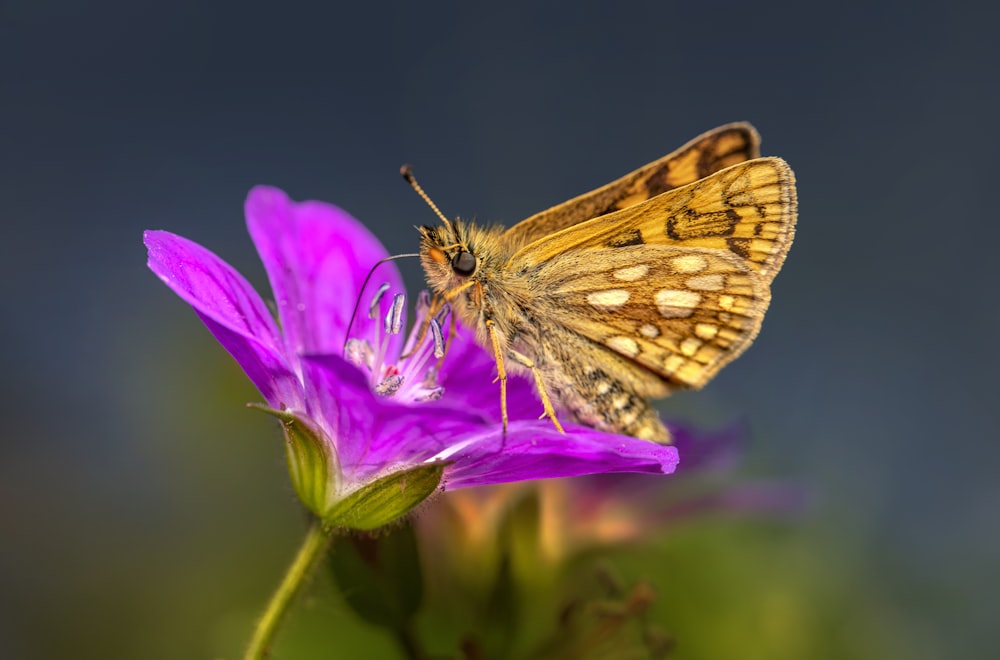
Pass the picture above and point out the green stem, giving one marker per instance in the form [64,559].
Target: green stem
[313,548]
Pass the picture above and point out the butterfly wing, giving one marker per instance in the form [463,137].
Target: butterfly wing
[748,210]
[681,313]
[702,156]
[678,284]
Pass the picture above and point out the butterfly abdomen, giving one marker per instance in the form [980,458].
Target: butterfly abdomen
[588,394]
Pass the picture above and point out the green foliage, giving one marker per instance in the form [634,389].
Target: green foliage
[380,577]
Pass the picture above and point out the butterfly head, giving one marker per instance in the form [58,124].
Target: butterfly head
[448,260]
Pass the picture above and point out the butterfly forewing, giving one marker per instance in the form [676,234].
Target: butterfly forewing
[747,210]
[702,156]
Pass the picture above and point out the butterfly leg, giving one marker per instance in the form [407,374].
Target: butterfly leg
[550,411]
[501,370]
[435,306]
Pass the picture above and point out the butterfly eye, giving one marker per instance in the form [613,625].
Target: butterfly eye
[463,263]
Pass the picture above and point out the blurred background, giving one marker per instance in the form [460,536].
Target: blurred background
[145,513]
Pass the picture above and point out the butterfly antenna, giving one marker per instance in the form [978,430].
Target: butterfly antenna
[378,296]
[407,172]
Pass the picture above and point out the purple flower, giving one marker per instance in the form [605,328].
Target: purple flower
[355,411]
[612,509]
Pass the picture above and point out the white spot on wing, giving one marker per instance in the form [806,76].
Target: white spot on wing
[608,299]
[711,282]
[689,263]
[632,273]
[649,331]
[624,345]
[676,303]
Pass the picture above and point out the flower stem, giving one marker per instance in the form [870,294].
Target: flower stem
[313,548]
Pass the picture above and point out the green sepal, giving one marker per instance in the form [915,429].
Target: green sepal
[312,462]
[380,576]
[385,500]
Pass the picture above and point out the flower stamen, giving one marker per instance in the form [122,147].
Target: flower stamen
[413,378]
[438,339]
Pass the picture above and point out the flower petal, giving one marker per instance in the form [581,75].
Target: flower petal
[535,450]
[374,434]
[229,306]
[468,374]
[317,257]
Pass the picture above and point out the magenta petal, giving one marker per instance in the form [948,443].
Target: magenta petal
[467,376]
[279,386]
[317,257]
[534,450]
[339,398]
[375,434]
[229,306]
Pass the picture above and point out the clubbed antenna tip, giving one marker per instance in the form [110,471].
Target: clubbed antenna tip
[407,172]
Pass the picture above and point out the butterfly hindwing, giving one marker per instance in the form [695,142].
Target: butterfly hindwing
[681,313]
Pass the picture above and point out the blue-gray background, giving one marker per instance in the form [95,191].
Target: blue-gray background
[145,513]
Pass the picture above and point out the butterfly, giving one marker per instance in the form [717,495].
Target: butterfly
[649,284]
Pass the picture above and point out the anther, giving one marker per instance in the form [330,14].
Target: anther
[438,338]
[389,386]
[373,307]
[432,394]
[394,318]
[359,352]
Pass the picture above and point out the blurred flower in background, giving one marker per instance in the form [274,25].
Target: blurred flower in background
[522,566]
